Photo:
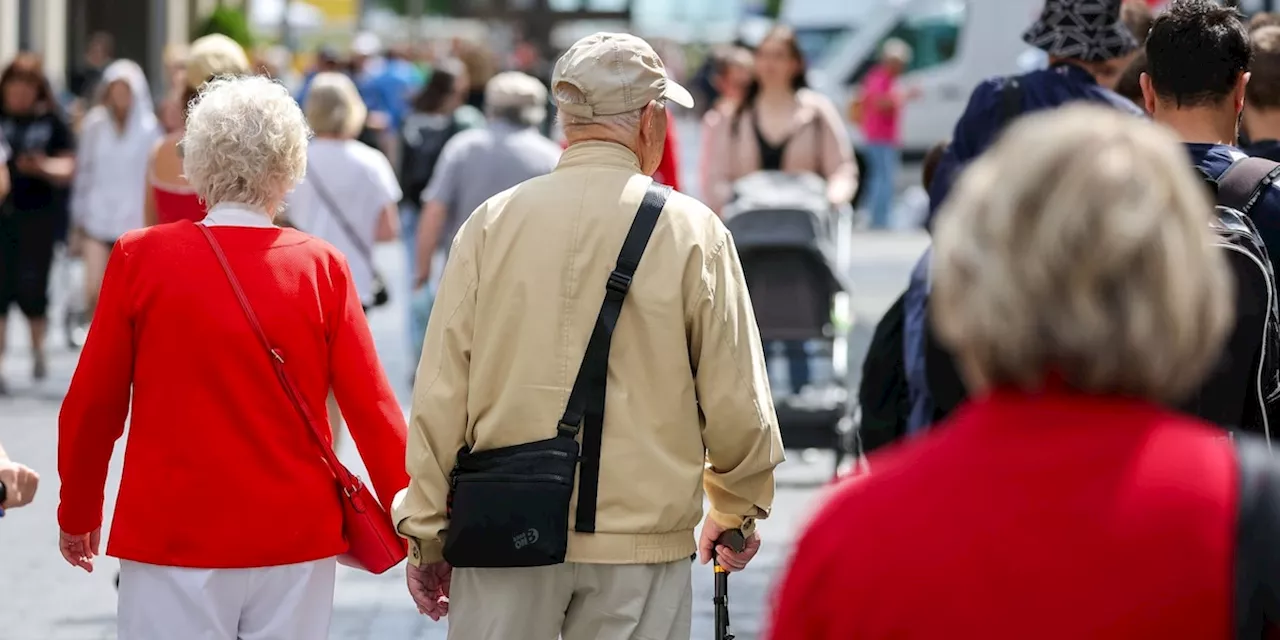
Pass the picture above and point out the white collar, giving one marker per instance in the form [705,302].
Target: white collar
[237,215]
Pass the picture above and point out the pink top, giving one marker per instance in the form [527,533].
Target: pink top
[879,122]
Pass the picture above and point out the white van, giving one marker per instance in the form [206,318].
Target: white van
[957,44]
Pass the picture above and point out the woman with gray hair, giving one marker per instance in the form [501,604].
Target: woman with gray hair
[215,338]
[1077,279]
[350,193]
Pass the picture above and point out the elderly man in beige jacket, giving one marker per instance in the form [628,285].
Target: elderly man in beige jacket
[514,531]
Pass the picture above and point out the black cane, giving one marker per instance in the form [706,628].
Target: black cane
[734,540]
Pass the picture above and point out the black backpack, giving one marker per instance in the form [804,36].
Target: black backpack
[1237,191]
[882,393]
[421,145]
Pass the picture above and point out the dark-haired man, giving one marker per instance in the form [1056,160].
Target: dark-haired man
[1198,57]
[1262,96]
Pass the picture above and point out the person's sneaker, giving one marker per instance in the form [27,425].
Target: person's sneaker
[40,370]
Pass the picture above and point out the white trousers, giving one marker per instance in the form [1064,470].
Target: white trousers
[288,602]
[573,601]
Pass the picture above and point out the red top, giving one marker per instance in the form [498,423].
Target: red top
[668,171]
[173,206]
[220,471]
[1050,517]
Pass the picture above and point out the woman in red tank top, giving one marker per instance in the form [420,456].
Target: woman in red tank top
[172,202]
[169,197]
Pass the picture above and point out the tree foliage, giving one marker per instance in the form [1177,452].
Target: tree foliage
[429,7]
[230,22]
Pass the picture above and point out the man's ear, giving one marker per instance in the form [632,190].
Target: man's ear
[646,121]
[1148,93]
[1241,84]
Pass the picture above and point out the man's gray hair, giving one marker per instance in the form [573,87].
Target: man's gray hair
[622,124]
[518,116]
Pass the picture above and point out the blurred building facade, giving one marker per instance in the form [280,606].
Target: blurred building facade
[60,29]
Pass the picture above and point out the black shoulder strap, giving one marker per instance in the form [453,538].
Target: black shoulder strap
[586,400]
[1257,557]
[1242,184]
[1010,101]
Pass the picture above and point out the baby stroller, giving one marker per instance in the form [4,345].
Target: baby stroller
[788,238]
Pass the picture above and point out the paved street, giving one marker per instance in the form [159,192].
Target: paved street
[41,598]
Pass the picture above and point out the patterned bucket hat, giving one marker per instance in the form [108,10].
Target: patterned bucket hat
[1088,30]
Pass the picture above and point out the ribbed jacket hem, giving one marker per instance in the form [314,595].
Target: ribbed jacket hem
[630,548]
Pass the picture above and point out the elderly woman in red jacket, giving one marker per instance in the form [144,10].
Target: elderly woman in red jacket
[228,520]
[1078,281]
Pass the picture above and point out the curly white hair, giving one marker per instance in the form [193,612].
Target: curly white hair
[246,142]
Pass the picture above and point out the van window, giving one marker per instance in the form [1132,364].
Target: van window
[932,30]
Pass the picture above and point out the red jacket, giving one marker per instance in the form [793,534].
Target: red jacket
[219,470]
[1053,516]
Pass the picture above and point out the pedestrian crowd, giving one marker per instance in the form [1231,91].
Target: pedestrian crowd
[1068,410]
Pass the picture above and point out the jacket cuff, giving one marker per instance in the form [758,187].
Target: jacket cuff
[425,552]
[746,524]
[76,524]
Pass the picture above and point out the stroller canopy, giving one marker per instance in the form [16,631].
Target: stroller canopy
[774,211]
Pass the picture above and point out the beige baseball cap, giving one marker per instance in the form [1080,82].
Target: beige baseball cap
[512,89]
[618,73]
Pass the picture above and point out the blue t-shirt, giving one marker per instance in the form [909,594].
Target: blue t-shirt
[389,88]
[1213,160]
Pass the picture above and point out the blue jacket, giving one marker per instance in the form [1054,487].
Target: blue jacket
[983,120]
[984,117]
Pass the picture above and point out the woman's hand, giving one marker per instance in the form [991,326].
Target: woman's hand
[31,164]
[80,550]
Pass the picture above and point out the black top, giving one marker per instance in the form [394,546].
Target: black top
[47,134]
[770,154]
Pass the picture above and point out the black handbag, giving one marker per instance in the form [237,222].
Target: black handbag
[381,295]
[509,507]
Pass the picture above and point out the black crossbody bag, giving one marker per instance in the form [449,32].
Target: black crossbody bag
[509,507]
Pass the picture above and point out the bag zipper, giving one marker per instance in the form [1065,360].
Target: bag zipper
[552,453]
[497,477]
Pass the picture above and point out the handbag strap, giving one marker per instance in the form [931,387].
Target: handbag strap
[349,482]
[335,211]
[585,409]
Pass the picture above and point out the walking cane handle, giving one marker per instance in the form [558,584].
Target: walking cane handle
[733,539]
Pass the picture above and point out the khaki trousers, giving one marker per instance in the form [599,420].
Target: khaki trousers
[574,602]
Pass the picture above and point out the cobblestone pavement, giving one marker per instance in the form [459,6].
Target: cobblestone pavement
[41,598]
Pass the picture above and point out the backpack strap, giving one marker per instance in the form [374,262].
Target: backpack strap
[1257,560]
[585,409]
[1243,183]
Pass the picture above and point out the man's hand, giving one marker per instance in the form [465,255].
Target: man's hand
[429,587]
[79,550]
[20,484]
[729,559]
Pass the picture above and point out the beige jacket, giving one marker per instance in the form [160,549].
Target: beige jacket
[688,405]
[819,144]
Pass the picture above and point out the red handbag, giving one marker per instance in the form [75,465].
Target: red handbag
[372,541]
